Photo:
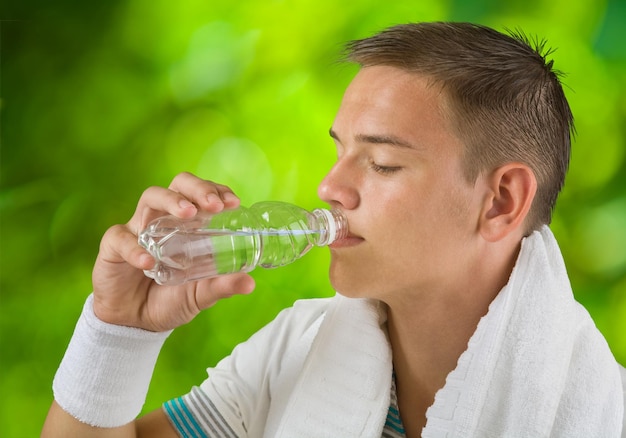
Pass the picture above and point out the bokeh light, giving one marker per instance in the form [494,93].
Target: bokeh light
[103,99]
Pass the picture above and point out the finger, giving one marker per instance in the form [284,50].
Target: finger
[157,201]
[164,200]
[119,245]
[209,291]
[206,194]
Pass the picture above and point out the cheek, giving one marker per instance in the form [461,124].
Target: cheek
[462,210]
[426,222]
[445,198]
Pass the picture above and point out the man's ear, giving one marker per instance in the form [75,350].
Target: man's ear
[511,190]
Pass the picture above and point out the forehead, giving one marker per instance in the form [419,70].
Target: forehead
[390,101]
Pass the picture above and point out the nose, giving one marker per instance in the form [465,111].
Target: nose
[339,188]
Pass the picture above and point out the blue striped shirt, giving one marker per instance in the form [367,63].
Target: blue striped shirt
[195,416]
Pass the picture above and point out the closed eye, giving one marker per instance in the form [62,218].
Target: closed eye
[384,170]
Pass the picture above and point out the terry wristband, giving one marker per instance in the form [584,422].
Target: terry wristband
[104,376]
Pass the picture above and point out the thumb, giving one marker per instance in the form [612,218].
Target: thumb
[211,290]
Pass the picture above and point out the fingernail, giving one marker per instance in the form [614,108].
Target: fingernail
[183,203]
[230,197]
[146,261]
[212,197]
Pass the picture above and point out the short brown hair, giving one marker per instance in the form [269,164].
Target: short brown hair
[504,98]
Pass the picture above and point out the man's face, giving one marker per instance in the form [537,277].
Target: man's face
[398,178]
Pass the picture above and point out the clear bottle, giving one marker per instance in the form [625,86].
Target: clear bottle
[267,234]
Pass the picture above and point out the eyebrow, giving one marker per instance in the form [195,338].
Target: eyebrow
[377,139]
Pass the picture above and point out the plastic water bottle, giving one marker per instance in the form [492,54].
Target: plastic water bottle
[267,234]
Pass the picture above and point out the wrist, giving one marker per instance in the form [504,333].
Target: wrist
[104,376]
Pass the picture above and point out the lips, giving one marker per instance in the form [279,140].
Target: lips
[348,241]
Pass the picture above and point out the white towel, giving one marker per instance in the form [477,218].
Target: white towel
[343,387]
[536,365]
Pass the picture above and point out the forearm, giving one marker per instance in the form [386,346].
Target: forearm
[61,424]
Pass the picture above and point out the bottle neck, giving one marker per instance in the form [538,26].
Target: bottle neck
[334,224]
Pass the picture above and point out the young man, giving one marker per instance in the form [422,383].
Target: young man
[454,315]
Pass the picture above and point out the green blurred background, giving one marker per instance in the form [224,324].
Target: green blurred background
[103,99]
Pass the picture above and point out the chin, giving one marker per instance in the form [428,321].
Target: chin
[352,278]
[350,287]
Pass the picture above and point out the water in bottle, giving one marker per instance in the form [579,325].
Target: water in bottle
[267,234]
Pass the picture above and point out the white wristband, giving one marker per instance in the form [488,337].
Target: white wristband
[104,376]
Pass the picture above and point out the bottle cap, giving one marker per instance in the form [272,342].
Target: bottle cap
[332,225]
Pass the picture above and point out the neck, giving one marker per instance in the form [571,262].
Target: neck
[427,341]
[429,332]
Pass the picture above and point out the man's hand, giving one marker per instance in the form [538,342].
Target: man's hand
[123,295]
